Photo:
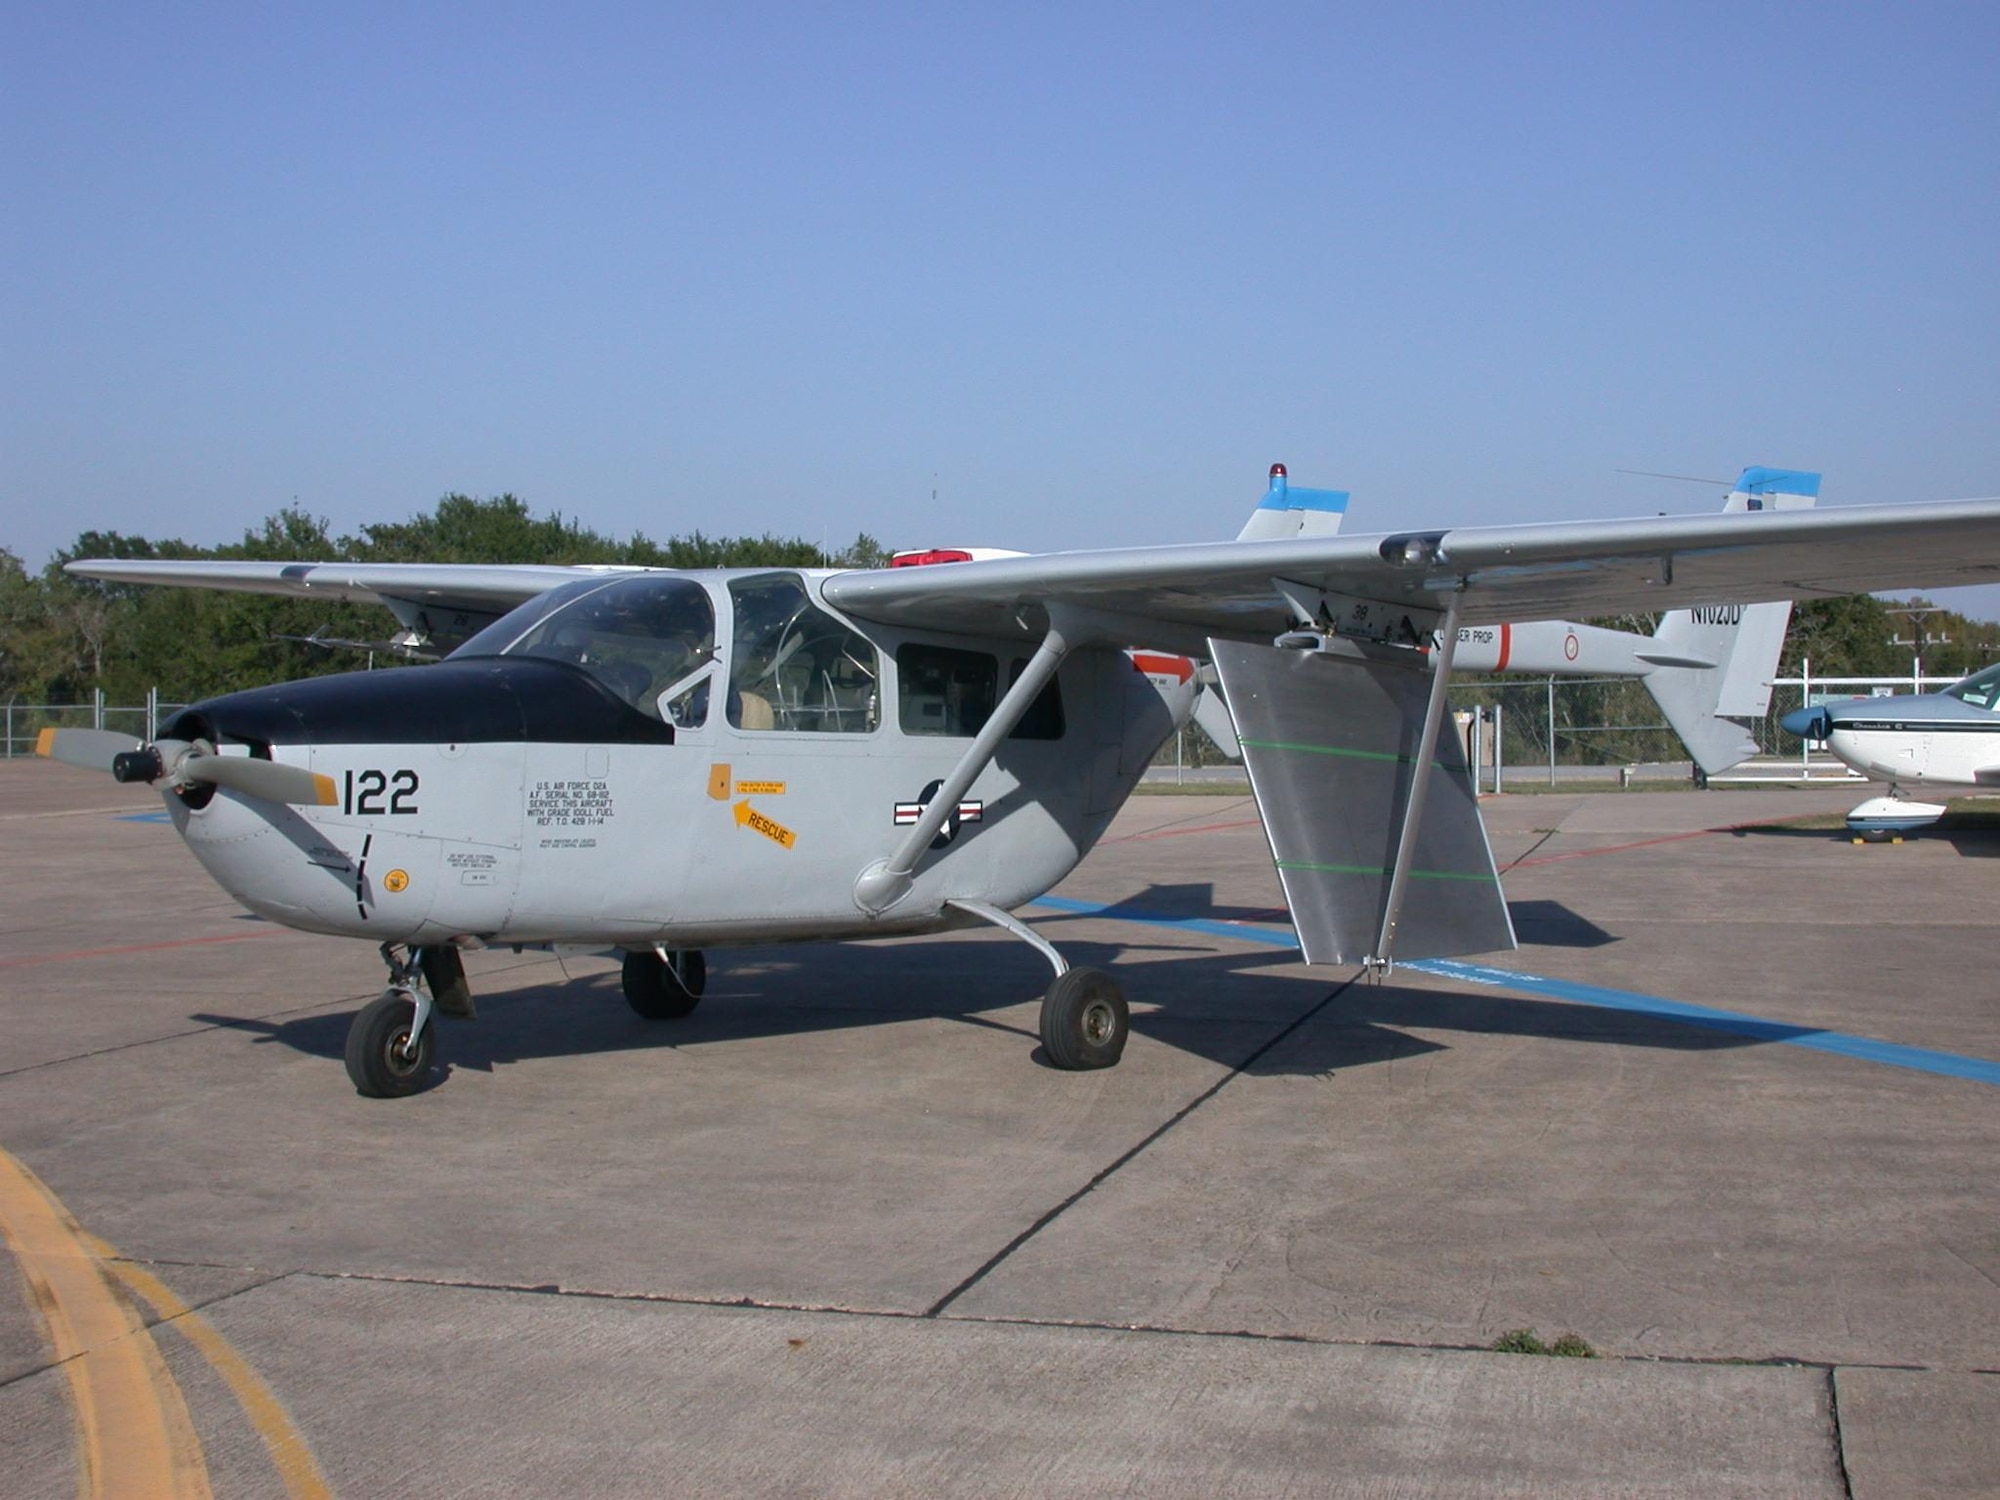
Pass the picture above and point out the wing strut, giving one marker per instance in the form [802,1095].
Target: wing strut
[1383,958]
[887,881]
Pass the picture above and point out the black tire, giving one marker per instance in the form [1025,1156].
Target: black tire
[375,1043]
[660,994]
[1085,1021]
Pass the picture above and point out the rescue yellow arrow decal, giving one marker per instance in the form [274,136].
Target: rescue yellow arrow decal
[748,817]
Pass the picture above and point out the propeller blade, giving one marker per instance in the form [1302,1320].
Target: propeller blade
[268,779]
[92,749]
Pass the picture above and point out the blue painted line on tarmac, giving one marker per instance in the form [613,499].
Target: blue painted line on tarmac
[1242,932]
[1864,1049]
[146,817]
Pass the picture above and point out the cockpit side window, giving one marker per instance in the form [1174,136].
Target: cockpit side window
[794,666]
[1981,689]
[647,638]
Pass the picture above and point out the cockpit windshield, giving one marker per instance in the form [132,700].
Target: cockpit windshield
[649,638]
[1981,689]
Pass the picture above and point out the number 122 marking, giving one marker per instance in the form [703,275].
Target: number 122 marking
[371,787]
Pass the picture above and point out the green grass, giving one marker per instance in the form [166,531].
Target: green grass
[1527,1341]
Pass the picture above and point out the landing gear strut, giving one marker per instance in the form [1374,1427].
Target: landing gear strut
[389,1045]
[1085,1021]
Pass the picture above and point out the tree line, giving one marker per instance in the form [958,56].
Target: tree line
[64,638]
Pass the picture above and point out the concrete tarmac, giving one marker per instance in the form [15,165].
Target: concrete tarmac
[841,1232]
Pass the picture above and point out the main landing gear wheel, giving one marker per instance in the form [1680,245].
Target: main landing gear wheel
[664,989]
[376,1047]
[1084,1020]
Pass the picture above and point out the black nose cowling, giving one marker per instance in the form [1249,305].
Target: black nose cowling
[477,700]
[1813,723]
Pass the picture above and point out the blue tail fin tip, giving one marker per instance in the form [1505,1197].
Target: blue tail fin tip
[1757,480]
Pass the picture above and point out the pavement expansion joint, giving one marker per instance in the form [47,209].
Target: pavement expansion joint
[993,1263]
[1085,1325]
[155,1320]
[1834,1432]
[594,1294]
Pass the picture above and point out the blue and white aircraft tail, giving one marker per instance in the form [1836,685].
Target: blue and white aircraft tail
[1706,667]
[1288,511]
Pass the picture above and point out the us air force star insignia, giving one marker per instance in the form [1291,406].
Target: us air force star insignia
[969,810]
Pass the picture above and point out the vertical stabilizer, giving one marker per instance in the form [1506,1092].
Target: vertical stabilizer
[1743,641]
[1759,488]
[1288,511]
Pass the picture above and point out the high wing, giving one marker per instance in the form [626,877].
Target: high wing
[1252,590]
[1246,590]
[439,603]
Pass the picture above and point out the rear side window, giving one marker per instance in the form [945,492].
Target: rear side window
[1044,718]
[946,692]
[941,691]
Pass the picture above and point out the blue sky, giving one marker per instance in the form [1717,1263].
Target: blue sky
[1083,270]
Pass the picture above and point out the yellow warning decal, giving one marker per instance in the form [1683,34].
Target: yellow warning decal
[748,817]
[718,783]
[760,789]
[396,882]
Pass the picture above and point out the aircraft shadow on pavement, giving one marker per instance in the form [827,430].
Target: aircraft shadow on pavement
[1225,1007]
[1972,834]
[1550,924]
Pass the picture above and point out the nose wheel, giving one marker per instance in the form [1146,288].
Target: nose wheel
[388,1052]
[390,1043]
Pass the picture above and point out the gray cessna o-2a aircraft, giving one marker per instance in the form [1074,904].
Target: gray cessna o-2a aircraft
[664,761]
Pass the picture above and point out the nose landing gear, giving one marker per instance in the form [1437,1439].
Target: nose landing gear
[389,1045]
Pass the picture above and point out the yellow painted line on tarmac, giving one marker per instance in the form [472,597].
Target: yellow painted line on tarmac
[134,1437]
[287,1447]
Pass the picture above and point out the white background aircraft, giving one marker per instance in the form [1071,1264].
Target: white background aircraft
[1945,739]
[668,762]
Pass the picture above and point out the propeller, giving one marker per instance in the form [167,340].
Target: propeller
[185,763]
[92,749]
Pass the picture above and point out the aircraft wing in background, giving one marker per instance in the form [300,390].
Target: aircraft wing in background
[439,604]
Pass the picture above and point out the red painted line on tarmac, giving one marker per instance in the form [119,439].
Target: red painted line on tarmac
[1667,838]
[60,958]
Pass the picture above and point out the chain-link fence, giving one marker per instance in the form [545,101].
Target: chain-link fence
[1563,727]
[23,722]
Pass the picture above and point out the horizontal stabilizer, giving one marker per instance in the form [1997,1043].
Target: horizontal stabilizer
[1330,740]
[1669,659]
